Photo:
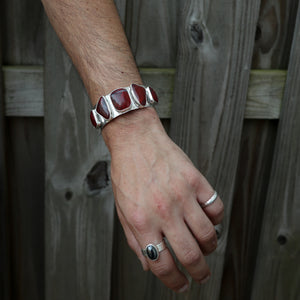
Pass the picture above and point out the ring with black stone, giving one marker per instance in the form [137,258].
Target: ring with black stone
[152,251]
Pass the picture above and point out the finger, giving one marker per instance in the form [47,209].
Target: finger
[187,251]
[214,211]
[132,242]
[201,227]
[164,267]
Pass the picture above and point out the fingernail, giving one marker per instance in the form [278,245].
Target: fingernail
[205,280]
[184,288]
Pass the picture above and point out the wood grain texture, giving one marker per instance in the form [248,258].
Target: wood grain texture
[215,51]
[151,28]
[162,80]
[25,163]
[256,153]
[24,91]
[265,94]
[274,34]
[22,29]
[23,32]
[253,175]
[279,246]
[79,200]
[5,274]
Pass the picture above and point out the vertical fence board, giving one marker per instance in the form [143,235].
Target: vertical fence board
[253,174]
[79,200]
[5,284]
[271,51]
[277,270]
[215,51]
[152,32]
[23,24]
[26,186]
[23,34]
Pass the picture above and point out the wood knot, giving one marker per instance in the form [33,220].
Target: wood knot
[97,178]
[68,195]
[282,240]
[197,33]
[258,33]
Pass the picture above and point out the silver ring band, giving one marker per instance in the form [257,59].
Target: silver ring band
[210,201]
[152,251]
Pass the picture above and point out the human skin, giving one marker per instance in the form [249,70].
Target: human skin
[157,189]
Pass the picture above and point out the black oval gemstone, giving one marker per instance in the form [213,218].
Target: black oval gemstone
[152,252]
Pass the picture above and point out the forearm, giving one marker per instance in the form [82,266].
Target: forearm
[93,36]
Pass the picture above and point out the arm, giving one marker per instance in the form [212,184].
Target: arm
[157,189]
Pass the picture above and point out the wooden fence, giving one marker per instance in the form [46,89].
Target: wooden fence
[227,73]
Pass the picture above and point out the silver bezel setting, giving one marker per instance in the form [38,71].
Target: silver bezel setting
[149,96]
[159,247]
[114,112]
[146,253]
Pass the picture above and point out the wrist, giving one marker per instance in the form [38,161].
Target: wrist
[131,127]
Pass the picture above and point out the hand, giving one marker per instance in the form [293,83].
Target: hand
[158,193]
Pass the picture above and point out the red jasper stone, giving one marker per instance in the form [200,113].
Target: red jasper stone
[92,117]
[140,93]
[154,96]
[102,108]
[120,99]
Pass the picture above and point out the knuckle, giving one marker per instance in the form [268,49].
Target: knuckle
[195,179]
[208,234]
[138,220]
[191,258]
[163,270]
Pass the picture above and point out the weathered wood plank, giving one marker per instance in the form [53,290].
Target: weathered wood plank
[279,246]
[162,80]
[24,91]
[151,28]
[79,201]
[23,32]
[265,94]
[253,175]
[256,153]
[215,51]
[274,34]
[25,161]
[5,274]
